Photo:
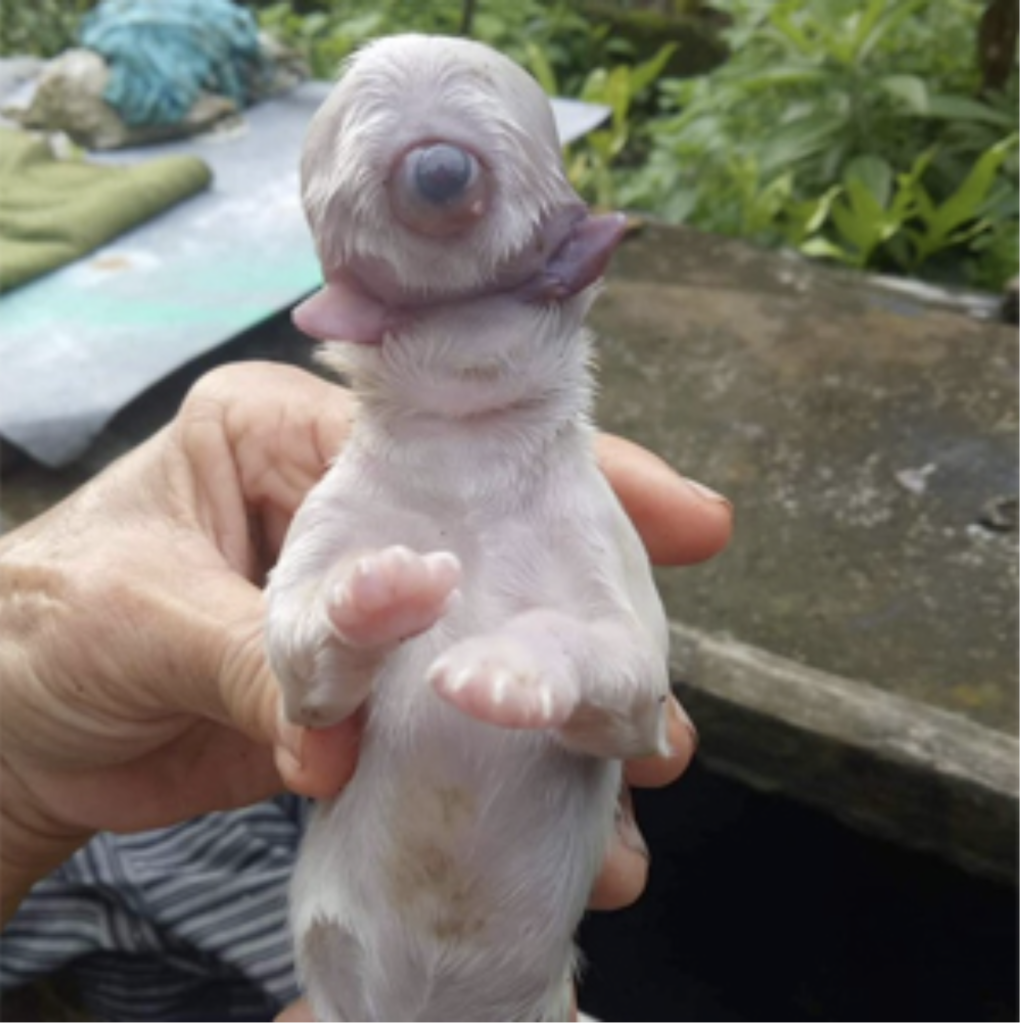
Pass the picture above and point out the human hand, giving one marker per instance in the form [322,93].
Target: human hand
[134,686]
[301,1011]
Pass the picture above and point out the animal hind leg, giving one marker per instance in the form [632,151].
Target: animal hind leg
[601,686]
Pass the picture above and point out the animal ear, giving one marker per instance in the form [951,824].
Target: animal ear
[343,312]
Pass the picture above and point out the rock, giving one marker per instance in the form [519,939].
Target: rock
[869,442]
[69,99]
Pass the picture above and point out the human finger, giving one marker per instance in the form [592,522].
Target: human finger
[659,770]
[299,1011]
[680,522]
[626,862]
[317,763]
[283,425]
[233,684]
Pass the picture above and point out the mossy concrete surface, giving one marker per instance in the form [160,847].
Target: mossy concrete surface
[857,644]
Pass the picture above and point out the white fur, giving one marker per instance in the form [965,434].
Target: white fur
[398,92]
[500,682]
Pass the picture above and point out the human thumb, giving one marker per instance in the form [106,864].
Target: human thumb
[245,695]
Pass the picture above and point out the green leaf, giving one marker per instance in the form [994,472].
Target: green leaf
[1002,203]
[764,205]
[899,249]
[876,223]
[488,27]
[966,202]
[315,24]
[646,73]
[824,247]
[601,145]
[595,86]
[618,96]
[909,91]
[783,75]
[865,23]
[962,108]
[893,15]
[779,18]
[833,159]
[807,216]
[968,234]
[874,172]
[910,193]
[362,26]
[800,140]
[541,69]
[681,206]
[858,232]
[705,133]
[922,203]
[865,206]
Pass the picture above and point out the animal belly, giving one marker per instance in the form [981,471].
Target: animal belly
[447,881]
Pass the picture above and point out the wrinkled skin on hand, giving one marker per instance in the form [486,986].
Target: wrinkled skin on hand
[134,688]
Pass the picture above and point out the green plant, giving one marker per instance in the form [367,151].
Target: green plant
[871,211]
[568,55]
[811,135]
[322,38]
[591,161]
[42,28]
[993,257]
[326,32]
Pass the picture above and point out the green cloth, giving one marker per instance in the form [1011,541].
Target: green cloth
[53,211]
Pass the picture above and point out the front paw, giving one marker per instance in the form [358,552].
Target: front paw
[503,681]
[390,595]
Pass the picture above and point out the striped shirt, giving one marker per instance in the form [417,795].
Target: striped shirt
[187,923]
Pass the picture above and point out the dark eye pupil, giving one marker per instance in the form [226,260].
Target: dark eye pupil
[442,173]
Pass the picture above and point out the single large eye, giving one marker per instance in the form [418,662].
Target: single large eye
[439,189]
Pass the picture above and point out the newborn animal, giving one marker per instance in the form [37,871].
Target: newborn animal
[463,577]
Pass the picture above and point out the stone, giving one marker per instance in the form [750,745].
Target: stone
[69,99]
[869,442]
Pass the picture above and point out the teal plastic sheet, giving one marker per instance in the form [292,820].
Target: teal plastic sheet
[80,343]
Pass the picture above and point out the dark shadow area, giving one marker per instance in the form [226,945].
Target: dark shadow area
[759,909]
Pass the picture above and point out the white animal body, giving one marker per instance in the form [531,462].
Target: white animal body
[463,577]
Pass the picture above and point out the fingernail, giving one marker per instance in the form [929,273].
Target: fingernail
[706,494]
[680,716]
[627,828]
[292,738]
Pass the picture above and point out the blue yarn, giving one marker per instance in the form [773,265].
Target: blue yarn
[162,53]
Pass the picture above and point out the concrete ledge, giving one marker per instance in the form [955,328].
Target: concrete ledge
[868,439]
[918,775]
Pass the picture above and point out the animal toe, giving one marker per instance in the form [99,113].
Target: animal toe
[393,594]
[498,681]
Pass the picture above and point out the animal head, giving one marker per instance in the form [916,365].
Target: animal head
[431,179]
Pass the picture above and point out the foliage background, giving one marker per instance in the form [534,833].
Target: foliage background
[861,131]
[856,131]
